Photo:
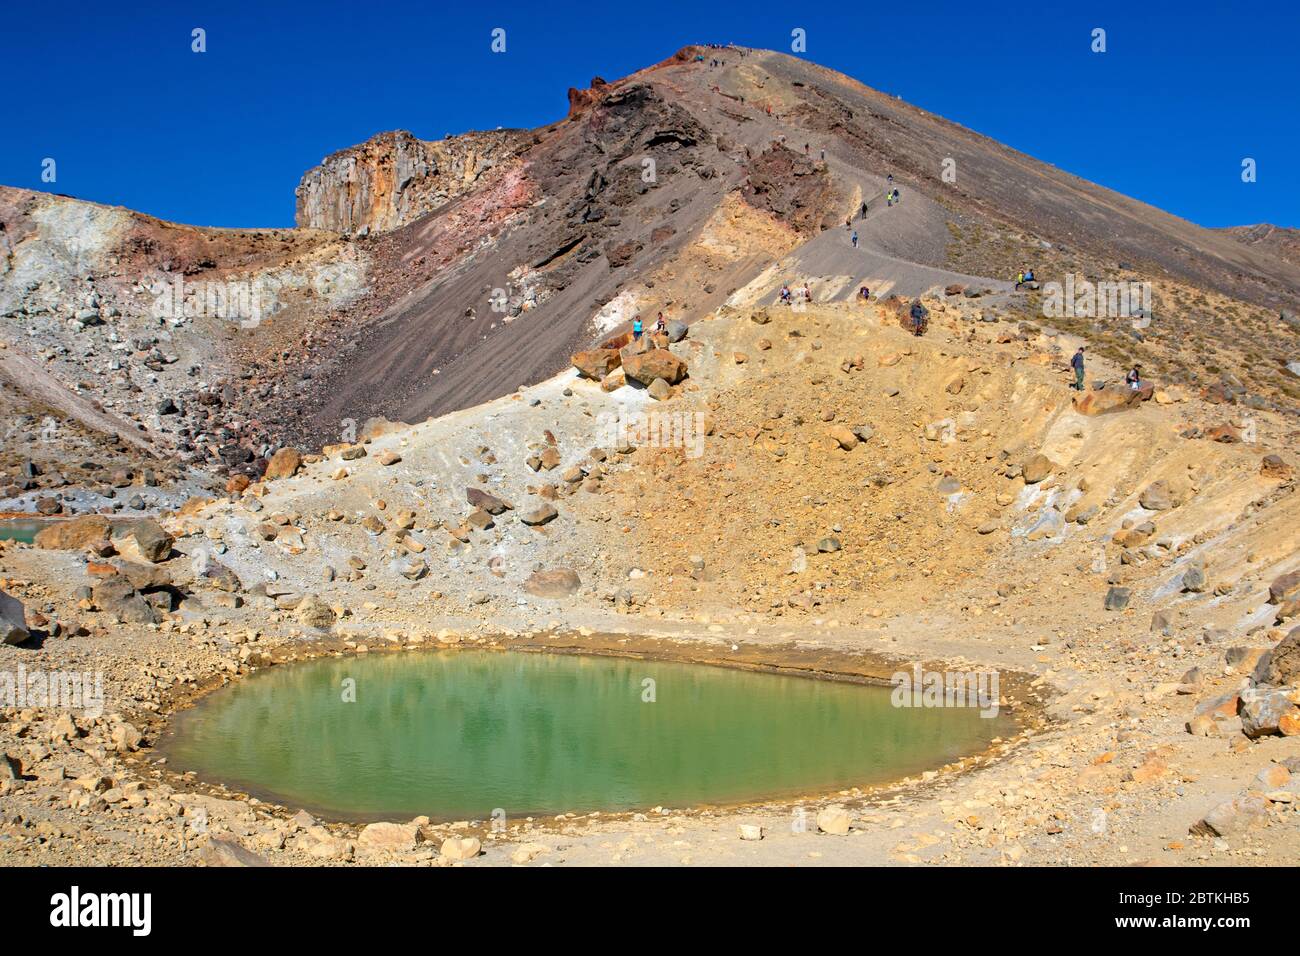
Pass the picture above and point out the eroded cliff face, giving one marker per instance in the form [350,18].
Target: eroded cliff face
[394,178]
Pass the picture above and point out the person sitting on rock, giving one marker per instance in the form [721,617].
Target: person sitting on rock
[864,293]
[661,327]
[785,294]
[1134,377]
[1029,275]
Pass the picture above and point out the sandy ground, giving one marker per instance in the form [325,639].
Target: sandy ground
[1109,775]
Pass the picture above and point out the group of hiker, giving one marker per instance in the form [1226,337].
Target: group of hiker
[787,297]
[1023,276]
[661,327]
[1133,378]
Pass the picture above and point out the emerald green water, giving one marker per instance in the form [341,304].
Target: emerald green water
[20,529]
[456,735]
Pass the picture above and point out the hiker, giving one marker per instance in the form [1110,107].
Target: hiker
[1134,377]
[661,327]
[897,198]
[919,314]
[864,293]
[785,294]
[1029,275]
[807,293]
[855,238]
[889,199]
[1020,279]
[1076,363]
[636,329]
[823,155]
[864,210]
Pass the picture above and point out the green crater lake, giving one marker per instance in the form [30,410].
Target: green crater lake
[455,735]
[20,529]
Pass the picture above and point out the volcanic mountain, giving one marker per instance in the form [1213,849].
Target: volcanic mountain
[429,276]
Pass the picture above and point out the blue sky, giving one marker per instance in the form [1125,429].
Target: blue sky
[133,117]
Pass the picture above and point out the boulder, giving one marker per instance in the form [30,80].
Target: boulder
[844,437]
[560,583]
[313,612]
[660,390]
[227,851]
[1273,466]
[1036,469]
[539,515]
[676,331]
[283,464]
[1112,398]
[1285,588]
[13,620]
[834,820]
[1281,665]
[489,503]
[74,534]
[461,848]
[143,538]
[116,596]
[653,364]
[1225,434]
[1233,817]
[1157,496]
[1264,708]
[221,577]
[388,837]
[1117,598]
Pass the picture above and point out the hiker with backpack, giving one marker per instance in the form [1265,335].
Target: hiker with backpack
[1076,363]
[855,239]
[919,315]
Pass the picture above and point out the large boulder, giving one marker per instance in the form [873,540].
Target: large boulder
[1112,398]
[560,583]
[460,848]
[656,363]
[595,363]
[283,464]
[1233,817]
[1281,665]
[1285,588]
[1267,710]
[13,620]
[142,538]
[116,595]
[388,837]
[74,534]
[313,612]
